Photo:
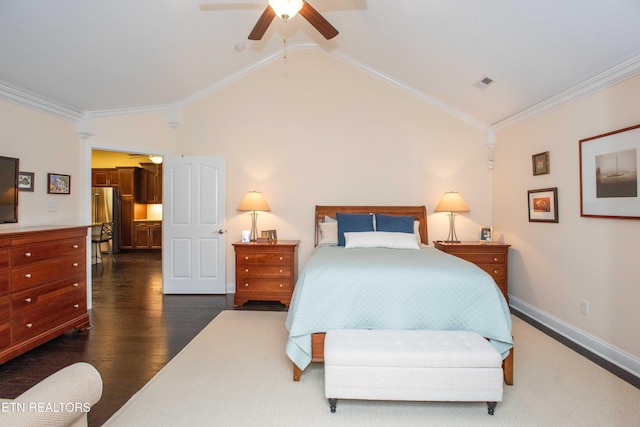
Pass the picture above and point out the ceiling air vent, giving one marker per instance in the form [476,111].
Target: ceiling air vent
[484,83]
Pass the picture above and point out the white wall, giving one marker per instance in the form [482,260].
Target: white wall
[44,144]
[555,266]
[314,130]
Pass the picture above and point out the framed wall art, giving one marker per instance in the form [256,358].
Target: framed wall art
[540,163]
[609,174]
[58,183]
[25,181]
[543,205]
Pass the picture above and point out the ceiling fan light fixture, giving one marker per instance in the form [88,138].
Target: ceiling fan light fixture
[286,9]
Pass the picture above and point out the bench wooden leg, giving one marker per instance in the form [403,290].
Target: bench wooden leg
[296,372]
[507,367]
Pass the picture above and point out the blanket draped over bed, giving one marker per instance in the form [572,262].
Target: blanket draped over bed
[402,289]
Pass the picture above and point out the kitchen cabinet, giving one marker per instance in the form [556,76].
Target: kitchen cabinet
[151,183]
[147,234]
[104,177]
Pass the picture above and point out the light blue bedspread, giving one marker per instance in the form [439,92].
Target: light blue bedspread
[378,288]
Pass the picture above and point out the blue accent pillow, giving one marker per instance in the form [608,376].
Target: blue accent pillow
[394,224]
[351,223]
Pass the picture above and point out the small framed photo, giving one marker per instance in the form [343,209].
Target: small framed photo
[540,163]
[58,183]
[25,181]
[486,234]
[272,235]
[543,205]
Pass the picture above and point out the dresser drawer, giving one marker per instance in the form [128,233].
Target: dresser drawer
[33,275]
[4,282]
[263,270]
[263,258]
[28,254]
[5,334]
[5,307]
[32,324]
[4,258]
[42,296]
[480,258]
[264,285]
[496,271]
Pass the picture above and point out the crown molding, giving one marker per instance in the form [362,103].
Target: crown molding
[24,99]
[615,75]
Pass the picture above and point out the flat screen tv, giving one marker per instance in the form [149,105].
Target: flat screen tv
[8,189]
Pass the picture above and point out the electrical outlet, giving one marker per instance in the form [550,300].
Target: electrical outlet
[52,206]
[584,307]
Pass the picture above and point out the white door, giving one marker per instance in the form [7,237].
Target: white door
[193,226]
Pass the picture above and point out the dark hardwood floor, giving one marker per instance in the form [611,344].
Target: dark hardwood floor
[135,331]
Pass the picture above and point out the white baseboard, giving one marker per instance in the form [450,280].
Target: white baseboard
[595,345]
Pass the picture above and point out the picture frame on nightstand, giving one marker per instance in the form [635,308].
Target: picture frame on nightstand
[485,235]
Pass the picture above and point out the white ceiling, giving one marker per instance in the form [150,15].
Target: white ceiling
[97,55]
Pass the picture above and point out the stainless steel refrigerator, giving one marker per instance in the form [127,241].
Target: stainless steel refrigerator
[105,207]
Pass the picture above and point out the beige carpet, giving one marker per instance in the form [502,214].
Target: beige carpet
[235,373]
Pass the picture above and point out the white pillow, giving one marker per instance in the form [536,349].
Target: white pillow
[416,231]
[328,233]
[380,239]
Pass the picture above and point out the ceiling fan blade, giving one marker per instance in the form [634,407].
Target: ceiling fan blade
[318,21]
[262,24]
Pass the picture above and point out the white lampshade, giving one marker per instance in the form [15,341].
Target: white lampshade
[253,201]
[452,201]
[286,9]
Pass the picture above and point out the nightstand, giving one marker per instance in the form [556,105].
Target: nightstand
[266,271]
[491,257]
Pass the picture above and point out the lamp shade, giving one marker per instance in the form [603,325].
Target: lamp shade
[286,9]
[253,201]
[452,201]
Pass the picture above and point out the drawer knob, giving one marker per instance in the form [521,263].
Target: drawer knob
[29,325]
[246,285]
[281,285]
[28,275]
[281,258]
[75,264]
[76,305]
[28,254]
[246,257]
[75,246]
[495,259]
[495,271]
[27,299]
[280,270]
[246,270]
[75,285]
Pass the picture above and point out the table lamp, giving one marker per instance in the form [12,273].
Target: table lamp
[452,202]
[253,201]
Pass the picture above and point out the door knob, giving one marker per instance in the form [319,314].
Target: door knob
[221,231]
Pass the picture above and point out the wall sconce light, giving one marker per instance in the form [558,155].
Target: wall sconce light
[254,201]
[452,202]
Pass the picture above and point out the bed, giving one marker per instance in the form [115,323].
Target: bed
[366,287]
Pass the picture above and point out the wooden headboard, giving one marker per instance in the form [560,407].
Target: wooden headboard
[418,212]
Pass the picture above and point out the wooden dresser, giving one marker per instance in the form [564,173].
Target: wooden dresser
[266,271]
[43,289]
[491,257]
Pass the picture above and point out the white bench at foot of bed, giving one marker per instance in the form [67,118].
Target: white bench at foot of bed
[411,365]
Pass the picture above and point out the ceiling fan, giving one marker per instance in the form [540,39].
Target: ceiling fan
[287,9]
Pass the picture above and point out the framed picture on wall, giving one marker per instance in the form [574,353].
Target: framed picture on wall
[543,205]
[25,181]
[540,163]
[609,174]
[58,183]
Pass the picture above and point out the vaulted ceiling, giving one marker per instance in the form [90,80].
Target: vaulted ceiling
[97,55]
